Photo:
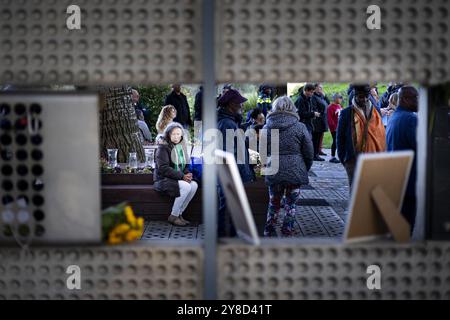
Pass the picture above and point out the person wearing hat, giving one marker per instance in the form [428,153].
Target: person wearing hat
[333,112]
[360,130]
[229,118]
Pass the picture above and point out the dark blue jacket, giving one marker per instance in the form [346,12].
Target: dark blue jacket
[227,121]
[401,135]
[344,142]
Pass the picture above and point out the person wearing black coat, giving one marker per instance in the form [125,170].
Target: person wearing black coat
[229,118]
[320,124]
[198,105]
[177,99]
[172,176]
[305,108]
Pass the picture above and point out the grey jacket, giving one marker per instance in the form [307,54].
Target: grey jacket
[295,149]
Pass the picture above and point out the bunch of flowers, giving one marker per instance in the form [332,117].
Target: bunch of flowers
[255,159]
[120,225]
[105,168]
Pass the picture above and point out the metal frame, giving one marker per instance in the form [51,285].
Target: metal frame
[209,176]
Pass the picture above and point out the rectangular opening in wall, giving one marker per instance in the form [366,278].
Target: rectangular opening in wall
[321,131]
[80,165]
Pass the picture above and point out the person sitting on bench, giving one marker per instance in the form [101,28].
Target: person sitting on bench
[171,175]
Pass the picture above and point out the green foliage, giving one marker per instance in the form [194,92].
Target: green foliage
[153,97]
[250,104]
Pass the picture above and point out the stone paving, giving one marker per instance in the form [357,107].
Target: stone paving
[321,210]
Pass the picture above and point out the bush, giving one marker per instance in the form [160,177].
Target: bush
[153,97]
[251,103]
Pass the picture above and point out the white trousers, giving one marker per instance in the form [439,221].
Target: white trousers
[187,192]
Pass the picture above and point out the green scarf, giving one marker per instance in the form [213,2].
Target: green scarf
[181,161]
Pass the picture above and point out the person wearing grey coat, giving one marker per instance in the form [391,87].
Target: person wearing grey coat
[295,158]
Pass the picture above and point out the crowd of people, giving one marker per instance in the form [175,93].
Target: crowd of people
[368,124]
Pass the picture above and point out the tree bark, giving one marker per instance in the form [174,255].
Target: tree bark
[118,124]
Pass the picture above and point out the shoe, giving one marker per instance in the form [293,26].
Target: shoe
[270,231]
[185,221]
[176,221]
[317,158]
[270,227]
[334,160]
[288,229]
[321,153]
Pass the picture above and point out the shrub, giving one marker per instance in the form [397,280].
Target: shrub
[153,97]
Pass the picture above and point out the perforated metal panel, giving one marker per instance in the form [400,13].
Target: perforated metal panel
[293,271]
[328,40]
[49,146]
[166,272]
[126,41]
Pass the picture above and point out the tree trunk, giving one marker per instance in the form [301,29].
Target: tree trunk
[118,124]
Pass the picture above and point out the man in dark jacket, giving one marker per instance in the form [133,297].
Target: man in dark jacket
[229,118]
[305,108]
[401,135]
[320,124]
[177,99]
[360,130]
[198,105]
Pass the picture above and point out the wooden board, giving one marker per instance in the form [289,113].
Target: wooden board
[390,171]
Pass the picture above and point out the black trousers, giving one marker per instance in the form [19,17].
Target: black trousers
[333,146]
[316,142]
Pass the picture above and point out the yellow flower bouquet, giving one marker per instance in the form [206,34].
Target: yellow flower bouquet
[120,225]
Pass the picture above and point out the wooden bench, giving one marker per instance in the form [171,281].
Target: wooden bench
[138,190]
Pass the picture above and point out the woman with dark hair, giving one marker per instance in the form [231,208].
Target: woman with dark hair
[171,175]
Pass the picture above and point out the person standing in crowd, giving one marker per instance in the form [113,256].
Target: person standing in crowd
[402,135]
[360,130]
[374,94]
[177,99]
[320,125]
[322,95]
[295,160]
[166,117]
[387,112]
[198,105]
[264,102]
[138,104]
[392,88]
[372,97]
[333,112]
[256,118]
[224,90]
[305,108]
[145,134]
[229,118]
[172,176]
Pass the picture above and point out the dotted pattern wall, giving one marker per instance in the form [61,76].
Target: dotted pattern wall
[120,41]
[106,273]
[291,271]
[328,40]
